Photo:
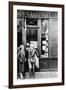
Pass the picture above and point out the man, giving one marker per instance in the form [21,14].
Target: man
[21,57]
[32,60]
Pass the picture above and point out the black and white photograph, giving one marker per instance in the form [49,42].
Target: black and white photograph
[37,44]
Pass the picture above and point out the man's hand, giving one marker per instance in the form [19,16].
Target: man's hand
[19,59]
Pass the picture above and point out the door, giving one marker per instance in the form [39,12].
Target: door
[31,37]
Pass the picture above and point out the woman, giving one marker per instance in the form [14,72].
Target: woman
[32,60]
[21,57]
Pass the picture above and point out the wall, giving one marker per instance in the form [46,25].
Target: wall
[4,44]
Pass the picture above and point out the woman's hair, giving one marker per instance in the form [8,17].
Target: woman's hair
[21,46]
[31,45]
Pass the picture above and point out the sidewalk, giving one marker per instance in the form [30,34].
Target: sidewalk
[47,74]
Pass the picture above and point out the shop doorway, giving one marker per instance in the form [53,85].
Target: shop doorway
[31,37]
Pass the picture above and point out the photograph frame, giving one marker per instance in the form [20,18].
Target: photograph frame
[11,44]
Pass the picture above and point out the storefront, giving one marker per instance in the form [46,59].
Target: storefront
[40,29]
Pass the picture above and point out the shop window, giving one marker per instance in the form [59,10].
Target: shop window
[44,39]
[49,38]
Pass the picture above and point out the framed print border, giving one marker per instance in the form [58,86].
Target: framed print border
[11,44]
